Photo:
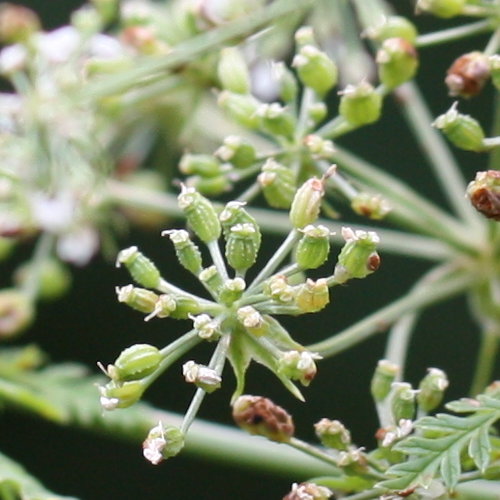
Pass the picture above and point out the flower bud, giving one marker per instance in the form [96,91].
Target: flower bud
[162,443]
[54,278]
[385,374]
[308,491]
[306,203]
[140,299]
[120,395]
[200,214]
[461,130]
[260,416]
[236,151]
[394,27]
[242,247]
[431,389]
[312,296]
[137,362]
[233,71]
[276,120]
[402,401]
[278,288]
[299,366]
[314,247]
[17,23]
[287,83]
[358,257]
[277,183]
[16,312]
[142,269]
[232,291]
[319,148]
[360,104]
[315,69]
[369,205]
[241,108]
[212,279]
[206,326]
[188,254]
[484,193]
[252,320]
[333,434]
[203,165]
[397,62]
[202,376]
[441,8]
[468,74]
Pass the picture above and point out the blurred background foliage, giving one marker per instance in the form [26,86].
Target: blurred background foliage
[88,325]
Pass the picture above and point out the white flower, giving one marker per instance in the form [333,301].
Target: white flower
[154,445]
[59,45]
[13,58]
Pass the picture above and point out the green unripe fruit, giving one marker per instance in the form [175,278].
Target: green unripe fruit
[306,203]
[234,213]
[242,246]
[312,296]
[276,120]
[402,402]
[233,71]
[394,27]
[381,383]
[314,247]
[137,362]
[140,299]
[315,69]
[16,312]
[212,279]
[287,83]
[461,130]
[142,270]
[397,62]
[209,186]
[431,389]
[278,184]
[188,254]
[121,395]
[360,104]
[199,164]
[441,8]
[241,108]
[200,214]
[185,307]
[333,434]
[237,152]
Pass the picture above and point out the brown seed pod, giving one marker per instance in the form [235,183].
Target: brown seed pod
[484,193]
[468,74]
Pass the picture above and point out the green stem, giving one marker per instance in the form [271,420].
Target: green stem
[166,287]
[218,260]
[487,355]
[152,70]
[444,166]
[452,34]
[312,451]
[410,209]
[284,249]
[428,291]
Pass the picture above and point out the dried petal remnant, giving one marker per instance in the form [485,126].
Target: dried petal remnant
[484,193]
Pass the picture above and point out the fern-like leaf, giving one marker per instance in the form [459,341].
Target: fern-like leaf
[435,450]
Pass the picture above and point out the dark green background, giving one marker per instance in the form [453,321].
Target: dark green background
[89,325]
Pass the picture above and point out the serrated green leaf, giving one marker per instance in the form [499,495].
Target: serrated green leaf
[430,455]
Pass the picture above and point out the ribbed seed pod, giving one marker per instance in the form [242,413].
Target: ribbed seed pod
[385,374]
[211,278]
[241,108]
[236,151]
[313,248]
[137,362]
[287,83]
[306,203]
[188,253]
[232,71]
[142,269]
[394,27]
[235,213]
[200,214]
[200,164]
[397,62]
[315,69]
[462,130]
[121,395]
[402,401]
[278,184]
[139,299]
[276,120]
[360,104]
[431,389]
[185,307]
[242,246]
[209,186]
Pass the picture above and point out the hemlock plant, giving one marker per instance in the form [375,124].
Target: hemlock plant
[217,125]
